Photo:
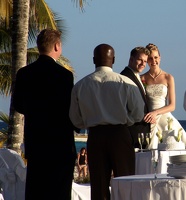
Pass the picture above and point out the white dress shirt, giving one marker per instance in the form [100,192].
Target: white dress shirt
[105,97]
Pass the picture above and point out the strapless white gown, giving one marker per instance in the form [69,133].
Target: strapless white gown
[156,95]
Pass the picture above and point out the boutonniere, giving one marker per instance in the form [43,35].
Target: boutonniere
[144,83]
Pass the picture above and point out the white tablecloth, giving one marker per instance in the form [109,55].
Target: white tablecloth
[12,175]
[144,164]
[1,197]
[145,187]
[80,191]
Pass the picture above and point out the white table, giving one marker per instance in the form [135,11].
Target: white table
[80,191]
[144,164]
[12,174]
[145,187]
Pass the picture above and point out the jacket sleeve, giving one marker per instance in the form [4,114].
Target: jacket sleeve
[75,113]
[17,97]
[135,105]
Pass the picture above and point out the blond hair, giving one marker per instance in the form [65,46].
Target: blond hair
[152,47]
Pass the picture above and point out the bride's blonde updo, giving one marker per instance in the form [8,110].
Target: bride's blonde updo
[152,47]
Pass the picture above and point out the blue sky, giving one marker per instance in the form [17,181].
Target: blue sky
[124,25]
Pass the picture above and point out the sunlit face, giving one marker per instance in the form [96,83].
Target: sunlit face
[154,59]
[138,63]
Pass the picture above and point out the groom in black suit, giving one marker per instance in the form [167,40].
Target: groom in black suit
[42,94]
[137,63]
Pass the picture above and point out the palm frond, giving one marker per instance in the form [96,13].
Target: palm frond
[6,67]
[4,131]
[32,55]
[5,39]
[5,77]
[4,117]
[41,16]
[6,9]
[65,63]
[80,4]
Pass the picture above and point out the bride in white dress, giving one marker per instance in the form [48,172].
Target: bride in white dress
[160,90]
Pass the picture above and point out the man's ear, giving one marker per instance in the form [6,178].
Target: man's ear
[94,60]
[56,46]
[113,60]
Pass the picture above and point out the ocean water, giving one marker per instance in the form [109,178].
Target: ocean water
[183,123]
[80,144]
[2,125]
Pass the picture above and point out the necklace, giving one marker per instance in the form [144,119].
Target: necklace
[156,76]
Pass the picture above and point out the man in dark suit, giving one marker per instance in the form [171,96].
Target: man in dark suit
[42,94]
[137,63]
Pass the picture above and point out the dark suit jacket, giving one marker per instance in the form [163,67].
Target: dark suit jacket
[140,127]
[42,94]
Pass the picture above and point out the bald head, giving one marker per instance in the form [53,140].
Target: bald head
[104,55]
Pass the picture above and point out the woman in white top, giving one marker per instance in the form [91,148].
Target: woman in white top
[160,90]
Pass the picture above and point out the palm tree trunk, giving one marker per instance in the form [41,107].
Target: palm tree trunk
[19,57]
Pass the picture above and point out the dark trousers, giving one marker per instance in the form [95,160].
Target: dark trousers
[49,178]
[109,149]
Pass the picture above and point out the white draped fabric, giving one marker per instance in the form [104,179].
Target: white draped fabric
[80,191]
[145,187]
[143,169]
[7,179]
[144,163]
[12,174]
[157,98]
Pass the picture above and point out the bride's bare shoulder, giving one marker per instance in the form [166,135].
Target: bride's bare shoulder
[144,76]
[168,76]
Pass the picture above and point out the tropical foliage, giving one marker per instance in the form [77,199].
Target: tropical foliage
[20,22]
[5,118]
[40,17]
[14,28]
[4,131]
